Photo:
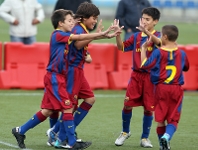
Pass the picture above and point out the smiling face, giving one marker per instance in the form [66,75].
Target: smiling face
[68,23]
[90,22]
[149,22]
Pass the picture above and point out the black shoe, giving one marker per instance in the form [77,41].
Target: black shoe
[20,138]
[77,139]
[80,145]
[165,145]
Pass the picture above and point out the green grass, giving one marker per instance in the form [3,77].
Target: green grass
[102,125]
[188,33]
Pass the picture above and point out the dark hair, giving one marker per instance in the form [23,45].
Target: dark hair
[59,15]
[171,31]
[86,10]
[152,11]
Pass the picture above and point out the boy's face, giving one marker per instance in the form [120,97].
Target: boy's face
[149,22]
[68,23]
[90,22]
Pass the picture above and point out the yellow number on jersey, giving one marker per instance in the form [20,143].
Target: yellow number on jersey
[173,73]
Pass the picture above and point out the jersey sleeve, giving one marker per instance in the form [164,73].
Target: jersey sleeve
[63,37]
[128,45]
[186,62]
[150,63]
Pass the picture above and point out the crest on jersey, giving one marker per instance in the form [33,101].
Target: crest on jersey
[75,97]
[67,102]
[66,51]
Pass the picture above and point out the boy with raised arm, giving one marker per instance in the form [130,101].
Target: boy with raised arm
[140,89]
[167,64]
[55,93]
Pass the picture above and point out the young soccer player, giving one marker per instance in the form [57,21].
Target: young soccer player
[55,94]
[167,64]
[140,89]
[77,85]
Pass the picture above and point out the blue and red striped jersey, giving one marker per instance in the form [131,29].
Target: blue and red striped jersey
[167,66]
[77,57]
[59,47]
[134,44]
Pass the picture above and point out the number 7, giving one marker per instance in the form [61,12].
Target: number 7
[173,73]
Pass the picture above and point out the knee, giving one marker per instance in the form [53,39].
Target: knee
[128,108]
[46,112]
[148,113]
[90,101]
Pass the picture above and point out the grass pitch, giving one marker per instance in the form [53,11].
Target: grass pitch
[101,126]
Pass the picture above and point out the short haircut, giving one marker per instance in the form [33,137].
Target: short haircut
[59,15]
[171,31]
[152,11]
[86,10]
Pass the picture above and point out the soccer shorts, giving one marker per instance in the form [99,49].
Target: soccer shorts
[55,94]
[77,85]
[169,103]
[140,91]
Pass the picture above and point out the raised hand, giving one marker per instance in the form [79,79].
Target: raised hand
[116,33]
[141,26]
[100,27]
[145,44]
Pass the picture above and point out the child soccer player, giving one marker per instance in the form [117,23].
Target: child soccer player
[77,85]
[55,94]
[140,89]
[166,64]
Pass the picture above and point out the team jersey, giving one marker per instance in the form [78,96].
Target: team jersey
[59,47]
[134,44]
[77,57]
[167,65]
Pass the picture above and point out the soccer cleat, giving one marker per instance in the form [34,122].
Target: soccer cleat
[146,143]
[59,144]
[77,139]
[122,137]
[51,138]
[164,144]
[80,146]
[20,138]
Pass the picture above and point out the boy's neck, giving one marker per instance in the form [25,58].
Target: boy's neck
[169,45]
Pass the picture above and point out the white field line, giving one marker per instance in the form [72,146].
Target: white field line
[10,145]
[96,95]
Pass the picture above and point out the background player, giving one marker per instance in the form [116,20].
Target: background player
[166,64]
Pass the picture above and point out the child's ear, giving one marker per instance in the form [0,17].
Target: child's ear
[155,22]
[60,23]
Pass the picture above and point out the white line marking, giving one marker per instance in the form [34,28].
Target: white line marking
[10,145]
[96,95]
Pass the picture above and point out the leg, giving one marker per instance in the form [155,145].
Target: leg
[16,39]
[147,123]
[126,119]
[30,40]
[82,110]
[67,128]
[19,132]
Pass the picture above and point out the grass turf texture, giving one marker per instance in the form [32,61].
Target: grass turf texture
[188,33]
[101,126]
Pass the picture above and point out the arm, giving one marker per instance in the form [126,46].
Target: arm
[186,65]
[155,39]
[5,8]
[91,36]
[81,44]
[39,13]
[88,58]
